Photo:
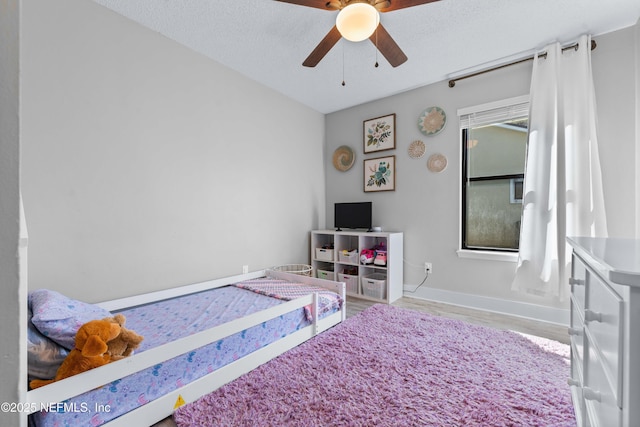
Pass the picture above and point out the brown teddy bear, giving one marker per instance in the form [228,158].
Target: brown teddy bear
[90,350]
[124,344]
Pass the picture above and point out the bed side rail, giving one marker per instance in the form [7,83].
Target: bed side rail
[78,384]
[135,300]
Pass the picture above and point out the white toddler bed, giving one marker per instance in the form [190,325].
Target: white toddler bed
[72,395]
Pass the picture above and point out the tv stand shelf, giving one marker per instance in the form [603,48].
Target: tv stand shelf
[335,255]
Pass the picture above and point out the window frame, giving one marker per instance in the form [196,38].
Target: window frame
[464,251]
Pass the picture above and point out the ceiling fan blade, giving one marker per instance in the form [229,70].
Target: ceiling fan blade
[388,47]
[318,4]
[323,48]
[402,4]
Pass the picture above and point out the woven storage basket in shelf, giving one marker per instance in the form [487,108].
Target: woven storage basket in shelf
[301,269]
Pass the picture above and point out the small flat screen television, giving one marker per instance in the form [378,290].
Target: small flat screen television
[353,215]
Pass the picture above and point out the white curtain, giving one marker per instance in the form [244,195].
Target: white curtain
[563,186]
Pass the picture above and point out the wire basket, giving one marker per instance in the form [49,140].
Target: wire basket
[301,269]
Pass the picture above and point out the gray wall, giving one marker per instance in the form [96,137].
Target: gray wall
[12,295]
[425,206]
[147,166]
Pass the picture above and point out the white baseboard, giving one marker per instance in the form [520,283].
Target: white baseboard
[540,313]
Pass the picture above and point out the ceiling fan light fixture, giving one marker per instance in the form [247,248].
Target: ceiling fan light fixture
[357,21]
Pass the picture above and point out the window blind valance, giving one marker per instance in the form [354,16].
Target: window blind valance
[495,112]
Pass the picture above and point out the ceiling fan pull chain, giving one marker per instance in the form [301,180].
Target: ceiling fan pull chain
[343,83]
[376,47]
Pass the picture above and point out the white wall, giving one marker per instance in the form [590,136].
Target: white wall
[425,206]
[614,72]
[148,166]
[637,120]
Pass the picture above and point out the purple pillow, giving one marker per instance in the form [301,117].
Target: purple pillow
[58,317]
[44,356]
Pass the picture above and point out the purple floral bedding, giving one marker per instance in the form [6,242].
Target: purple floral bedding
[168,320]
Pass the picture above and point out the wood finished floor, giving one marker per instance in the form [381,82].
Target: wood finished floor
[494,320]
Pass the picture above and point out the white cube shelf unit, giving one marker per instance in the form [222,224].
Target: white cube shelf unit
[335,255]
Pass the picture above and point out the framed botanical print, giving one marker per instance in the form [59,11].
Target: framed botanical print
[380,174]
[380,134]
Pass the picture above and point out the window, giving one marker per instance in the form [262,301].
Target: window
[494,146]
[516,189]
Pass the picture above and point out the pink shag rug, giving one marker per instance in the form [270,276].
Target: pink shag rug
[390,366]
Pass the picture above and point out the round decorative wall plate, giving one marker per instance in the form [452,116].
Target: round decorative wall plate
[343,158]
[432,121]
[437,163]
[416,149]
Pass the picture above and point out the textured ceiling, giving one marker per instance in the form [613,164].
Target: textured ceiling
[267,40]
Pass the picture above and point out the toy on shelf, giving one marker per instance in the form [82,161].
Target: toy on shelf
[381,258]
[381,254]
[367,256]
[376,255]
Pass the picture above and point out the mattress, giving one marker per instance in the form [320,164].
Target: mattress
[165,321]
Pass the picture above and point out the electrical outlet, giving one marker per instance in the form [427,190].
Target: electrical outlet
[428,268]
[245,269]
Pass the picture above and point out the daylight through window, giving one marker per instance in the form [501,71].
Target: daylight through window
[494,147]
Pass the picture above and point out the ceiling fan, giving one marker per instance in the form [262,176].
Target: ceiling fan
[356,21]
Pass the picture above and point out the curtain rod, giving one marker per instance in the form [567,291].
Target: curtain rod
[574,46]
